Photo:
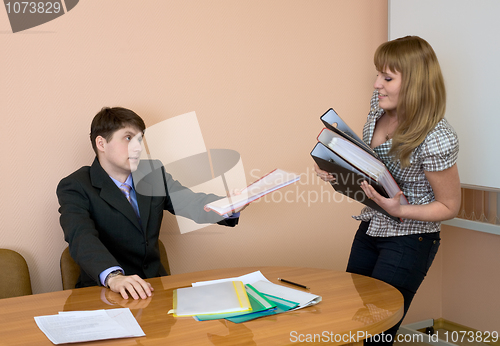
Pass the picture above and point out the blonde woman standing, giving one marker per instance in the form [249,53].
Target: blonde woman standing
[407,129]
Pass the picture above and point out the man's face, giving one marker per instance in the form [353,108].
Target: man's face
[120,156]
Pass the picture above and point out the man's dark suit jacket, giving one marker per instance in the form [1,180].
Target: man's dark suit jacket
[102,229]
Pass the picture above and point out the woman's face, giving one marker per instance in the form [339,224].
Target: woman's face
[388,84]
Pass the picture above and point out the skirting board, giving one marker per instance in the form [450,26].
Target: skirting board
[456,332]
[474,225]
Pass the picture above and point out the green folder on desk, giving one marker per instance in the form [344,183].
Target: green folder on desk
[282,305]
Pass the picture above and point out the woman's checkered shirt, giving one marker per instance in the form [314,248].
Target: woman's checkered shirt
[439,151]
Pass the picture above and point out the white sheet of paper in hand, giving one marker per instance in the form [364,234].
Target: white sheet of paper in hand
[273,181]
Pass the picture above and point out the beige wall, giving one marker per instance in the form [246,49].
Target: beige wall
[471,278]
[258,74]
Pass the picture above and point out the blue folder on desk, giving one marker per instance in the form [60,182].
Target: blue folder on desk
[282,305]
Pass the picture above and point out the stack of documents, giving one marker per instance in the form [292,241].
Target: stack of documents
[81,326]
[217,298]
[260,305]
[265,297]
[270,182]
[340,152]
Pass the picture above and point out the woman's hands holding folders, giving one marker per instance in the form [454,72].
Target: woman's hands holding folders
[390,205]
[324,175]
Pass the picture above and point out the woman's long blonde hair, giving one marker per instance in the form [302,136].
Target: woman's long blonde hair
[422,97]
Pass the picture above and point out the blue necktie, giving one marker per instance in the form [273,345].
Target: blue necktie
[125,188]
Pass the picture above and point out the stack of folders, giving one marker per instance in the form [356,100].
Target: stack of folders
[219,298]
[264,299]
[340,152]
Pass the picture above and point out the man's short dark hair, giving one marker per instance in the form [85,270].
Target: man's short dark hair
[109,120]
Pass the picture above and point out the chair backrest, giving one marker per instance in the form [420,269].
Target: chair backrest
[14,275]
[164,257]
[70,271]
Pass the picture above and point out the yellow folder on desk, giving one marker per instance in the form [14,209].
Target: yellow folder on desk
[258,302]
[219,298]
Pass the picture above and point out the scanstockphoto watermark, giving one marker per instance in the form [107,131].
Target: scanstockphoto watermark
[354,337]
[358,336]
[344,338]
[306,189]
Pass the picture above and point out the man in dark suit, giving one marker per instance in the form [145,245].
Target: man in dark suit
[111,212]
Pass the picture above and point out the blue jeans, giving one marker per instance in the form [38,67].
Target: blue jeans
[401,261]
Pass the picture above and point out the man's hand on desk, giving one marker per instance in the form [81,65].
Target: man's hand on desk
[133,285]
[114,298]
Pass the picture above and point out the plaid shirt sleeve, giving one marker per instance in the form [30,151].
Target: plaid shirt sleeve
[440,149]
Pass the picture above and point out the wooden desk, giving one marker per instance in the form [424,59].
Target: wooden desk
[351,304]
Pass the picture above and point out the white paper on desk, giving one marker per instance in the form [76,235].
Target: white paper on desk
[303,298]
[123,316]
[246,279]
[81,326]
